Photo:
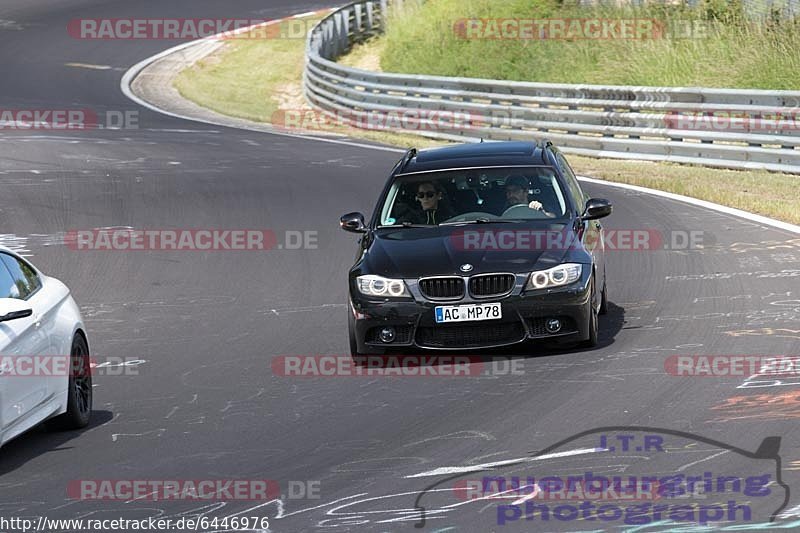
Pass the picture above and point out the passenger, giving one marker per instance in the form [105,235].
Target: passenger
[434,209]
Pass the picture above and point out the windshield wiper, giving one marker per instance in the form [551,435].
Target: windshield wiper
[482,220]
[407,225]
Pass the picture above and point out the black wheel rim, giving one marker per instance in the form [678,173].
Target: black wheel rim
[82,380]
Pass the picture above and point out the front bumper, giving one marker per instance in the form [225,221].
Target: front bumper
[524,317]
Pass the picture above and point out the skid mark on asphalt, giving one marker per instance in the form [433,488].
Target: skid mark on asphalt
[381,464]
[157,432]
[289,310]
[761,407]
[760,274]
[469,434]
[92,67]
[447,470]
[773,332]
[22,244]
[11,25]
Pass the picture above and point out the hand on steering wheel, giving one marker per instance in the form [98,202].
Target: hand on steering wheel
[534,205]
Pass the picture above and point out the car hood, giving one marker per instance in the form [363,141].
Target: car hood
[441,250]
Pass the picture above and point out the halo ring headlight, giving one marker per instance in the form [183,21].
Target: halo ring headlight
[557,276]
[372,285]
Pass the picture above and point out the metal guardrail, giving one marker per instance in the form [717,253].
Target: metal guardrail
[677,124]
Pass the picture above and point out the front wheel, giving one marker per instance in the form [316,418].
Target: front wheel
[79,390]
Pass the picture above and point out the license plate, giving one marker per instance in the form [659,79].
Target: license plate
[467,312]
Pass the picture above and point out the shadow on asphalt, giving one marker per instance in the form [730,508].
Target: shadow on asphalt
[40,440]
[610,325]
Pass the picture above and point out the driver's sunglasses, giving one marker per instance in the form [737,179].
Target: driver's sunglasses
[426,194]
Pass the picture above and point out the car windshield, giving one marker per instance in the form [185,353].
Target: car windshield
[483,195]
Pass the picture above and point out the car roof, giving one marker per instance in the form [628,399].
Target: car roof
[484,154]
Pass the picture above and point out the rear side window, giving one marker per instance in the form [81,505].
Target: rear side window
[25,279]
[572,182]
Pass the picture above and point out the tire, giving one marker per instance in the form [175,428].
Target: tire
[604,300]
[79,390]
[354,353]
[594,325]
[353,344]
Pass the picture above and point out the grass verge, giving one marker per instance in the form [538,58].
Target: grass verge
[260,80]
[765,193]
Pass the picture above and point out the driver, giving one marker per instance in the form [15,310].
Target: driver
[517,188]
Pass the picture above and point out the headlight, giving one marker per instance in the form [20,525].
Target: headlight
[555,277]
[382,287]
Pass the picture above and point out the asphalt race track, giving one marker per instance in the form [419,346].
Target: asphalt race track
[205,403]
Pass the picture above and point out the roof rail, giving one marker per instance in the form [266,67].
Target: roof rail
[409,155]
[544,143]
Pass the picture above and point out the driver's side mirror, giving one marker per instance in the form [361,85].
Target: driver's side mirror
[12,309]
[596,208]
[353,222]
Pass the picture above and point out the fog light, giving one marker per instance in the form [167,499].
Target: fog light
[553,325]
[387,335]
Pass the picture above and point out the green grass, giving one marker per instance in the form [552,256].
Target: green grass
[252,79]
[733,53]
[243,79]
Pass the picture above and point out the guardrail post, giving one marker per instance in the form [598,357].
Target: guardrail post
[327,38]
[359,28]
[384,13]
[337,35]
[346,29]
[370,17]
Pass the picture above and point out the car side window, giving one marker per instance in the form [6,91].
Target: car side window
[572,182]
[24,279]
[7,287]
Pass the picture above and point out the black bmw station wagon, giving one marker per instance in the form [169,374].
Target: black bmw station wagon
[478,246]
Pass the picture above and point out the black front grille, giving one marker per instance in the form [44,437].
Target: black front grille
[442,288]
[473,336]
[491,284]
[402,335]
[538,326]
